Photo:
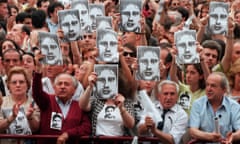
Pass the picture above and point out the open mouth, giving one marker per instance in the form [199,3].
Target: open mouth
[72,35]
[187,56]
[216,27]
[106,91]
[130,24]
[107,54]
[148,73]
[50,57]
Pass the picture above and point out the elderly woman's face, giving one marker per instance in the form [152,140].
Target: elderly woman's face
[17,85]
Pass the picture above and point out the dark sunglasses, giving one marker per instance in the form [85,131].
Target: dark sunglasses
[131,54]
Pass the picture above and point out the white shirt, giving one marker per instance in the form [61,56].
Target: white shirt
[175,122]
[109,122]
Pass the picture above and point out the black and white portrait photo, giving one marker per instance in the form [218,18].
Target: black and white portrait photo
[104,22]
[50,48]
[95,10]
[107,44]
[20,124]
[159,11]
[186,45]
[218,17]
[148,63]
[82,7]
[56,121]
[109,112]
[130,11]
[70,24]
[184,100]
[107,80]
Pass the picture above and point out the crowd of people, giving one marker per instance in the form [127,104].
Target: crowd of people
[168,69]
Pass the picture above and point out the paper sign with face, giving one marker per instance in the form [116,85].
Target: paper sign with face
[107,81]
[107,44]
[148,63]
[218,17]
[130,11]
[50,48]
[186,45]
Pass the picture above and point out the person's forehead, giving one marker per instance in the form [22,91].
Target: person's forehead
[214,78]
[210,50]
[11,52]
[168,87]
[17,76]
[64,78]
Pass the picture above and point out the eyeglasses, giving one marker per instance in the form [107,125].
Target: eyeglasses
[15,82]
[131,54]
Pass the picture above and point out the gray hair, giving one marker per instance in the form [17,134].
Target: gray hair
[164,82]
[223,82]
[74,80]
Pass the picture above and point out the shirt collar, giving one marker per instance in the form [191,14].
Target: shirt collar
[172,109]
[222,106]
[60,102]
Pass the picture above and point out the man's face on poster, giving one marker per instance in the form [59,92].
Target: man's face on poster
[108,47]
[50,48]
[57,122]
[149,65]
[131,17]
[19,124]
[71,27]
[95,12]
[184,102]
[186,48]
[106,84]
[84,17]
[218,20]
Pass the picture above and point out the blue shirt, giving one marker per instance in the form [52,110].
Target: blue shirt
[202,115]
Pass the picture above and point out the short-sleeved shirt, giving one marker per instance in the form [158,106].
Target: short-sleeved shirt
[202,115]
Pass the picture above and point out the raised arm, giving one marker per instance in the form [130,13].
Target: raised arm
[77,56]
[40,97]
[227,58]
[84,101]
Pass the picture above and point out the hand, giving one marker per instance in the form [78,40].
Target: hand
[62,138]
[231,24]
[92,78]
[204,20]
[134,65]
[215,137]
[119,101]
[38,57]
[228,139]
[15,110]
[149,123]
[34,39]
[60,33]
[25,43]
[30,111]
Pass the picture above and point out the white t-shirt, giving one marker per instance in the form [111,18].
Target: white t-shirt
[109,121]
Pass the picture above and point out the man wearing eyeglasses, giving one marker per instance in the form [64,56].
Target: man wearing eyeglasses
[175,119]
